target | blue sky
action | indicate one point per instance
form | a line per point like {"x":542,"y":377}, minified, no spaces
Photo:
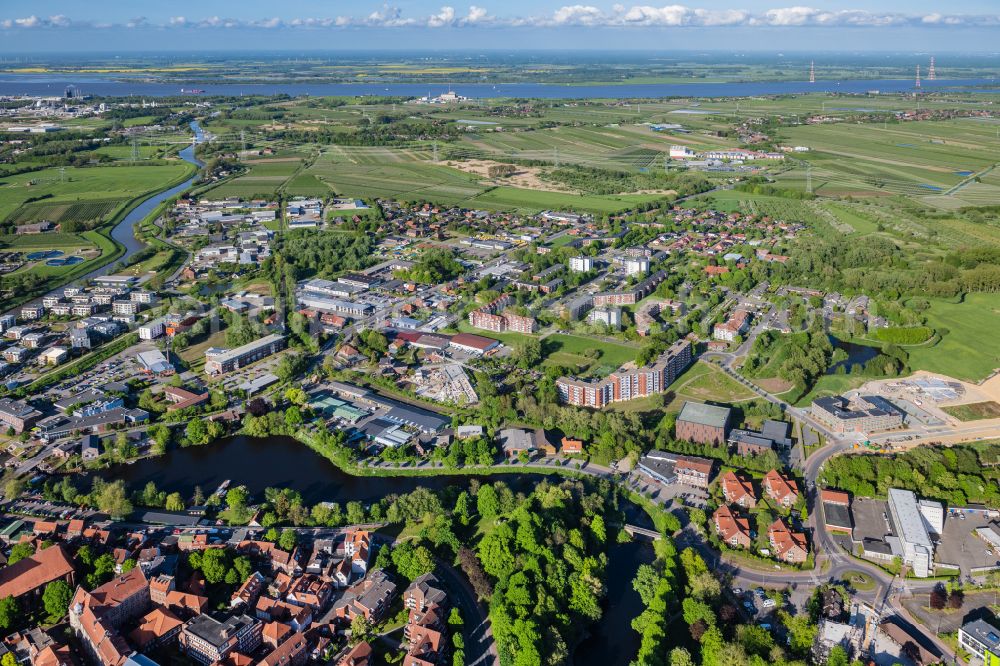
{"x":127,"y":25}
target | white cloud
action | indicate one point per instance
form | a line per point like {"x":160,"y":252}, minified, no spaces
{"x":579,"y":15}
{"x":789,"y":16}
{"x":477,"y":15}
{"x":445,"y":17}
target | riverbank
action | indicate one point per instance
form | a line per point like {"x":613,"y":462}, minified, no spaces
{"x":120,"y":231}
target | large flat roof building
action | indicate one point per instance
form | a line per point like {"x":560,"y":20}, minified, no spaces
{"x":912,"y":531}
{"x":704,"y":423}
{"x":18,"y":414}
{"x":221,"y":361}
{"x":864,"y":414}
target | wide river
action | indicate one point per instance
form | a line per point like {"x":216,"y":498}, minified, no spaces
{"x":283,"y":462}
{"x":53,"y":85}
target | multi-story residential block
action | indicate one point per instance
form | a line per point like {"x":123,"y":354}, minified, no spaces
{"x":693,"y":471}
{"x":628,"y":382}
{"x":498,"y":317}
{"x":736,"y":325}
{"x":981,"y":639}
{"x":125,"y":307}
{"x":636,"y":266}
{"x":152,"y":329}
{"x":208,"y":641}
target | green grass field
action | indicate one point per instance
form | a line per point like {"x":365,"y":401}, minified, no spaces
{"x":704,"y":382}
{"x":970,"y":349}
{"x":570,"y":351}
{"x":975,"y":411}
{"x":95,"y":186}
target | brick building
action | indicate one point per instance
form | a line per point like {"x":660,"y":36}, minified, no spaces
{"x":703,"y":423}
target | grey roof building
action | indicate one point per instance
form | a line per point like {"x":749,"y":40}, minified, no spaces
{"x":704,"y":414}
{"x":981,"y":639}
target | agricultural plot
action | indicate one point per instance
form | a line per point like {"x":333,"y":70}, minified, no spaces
{"x":78,"y":211}
{"x":915,"y":159}
{"x":407,"y":181}
{"x":533,"y":201}
{"x":602,"y":147}
{"x":307,"y":185}
{"x":92,"y":185}
{"x":264,"y":178}
{"x":48,"y":241}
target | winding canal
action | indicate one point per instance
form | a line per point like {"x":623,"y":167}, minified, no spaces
{"x":124,"y":231}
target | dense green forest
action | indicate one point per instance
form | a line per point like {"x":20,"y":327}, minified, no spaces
{"x":955,"y":475}
{"x":605,"y":181}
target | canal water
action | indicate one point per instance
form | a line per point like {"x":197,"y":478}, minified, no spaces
{"x":124,"y":231}
{"x":284,"y":462}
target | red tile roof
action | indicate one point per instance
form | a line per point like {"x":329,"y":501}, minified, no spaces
{"x":153,"y":627}
{"x":34,"y":572}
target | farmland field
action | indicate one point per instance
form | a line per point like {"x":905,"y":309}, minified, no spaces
{"x":88,"y":211}
{"x":514,"y":198}
{"x":52,"y":240}
{"x":265,"y":177}
{"x":932,"y":159}
{"x":84,"y":185}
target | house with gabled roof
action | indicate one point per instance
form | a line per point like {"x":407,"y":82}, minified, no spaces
{"x":732,"y":529}
{"x":738,"y":490}
{"x":782,"y":489}
{"x":788,"y":546}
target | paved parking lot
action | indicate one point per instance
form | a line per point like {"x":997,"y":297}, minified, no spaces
{"x":960,"y":545}
{"x":869,"y":518}
{"x":664,"y":493}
